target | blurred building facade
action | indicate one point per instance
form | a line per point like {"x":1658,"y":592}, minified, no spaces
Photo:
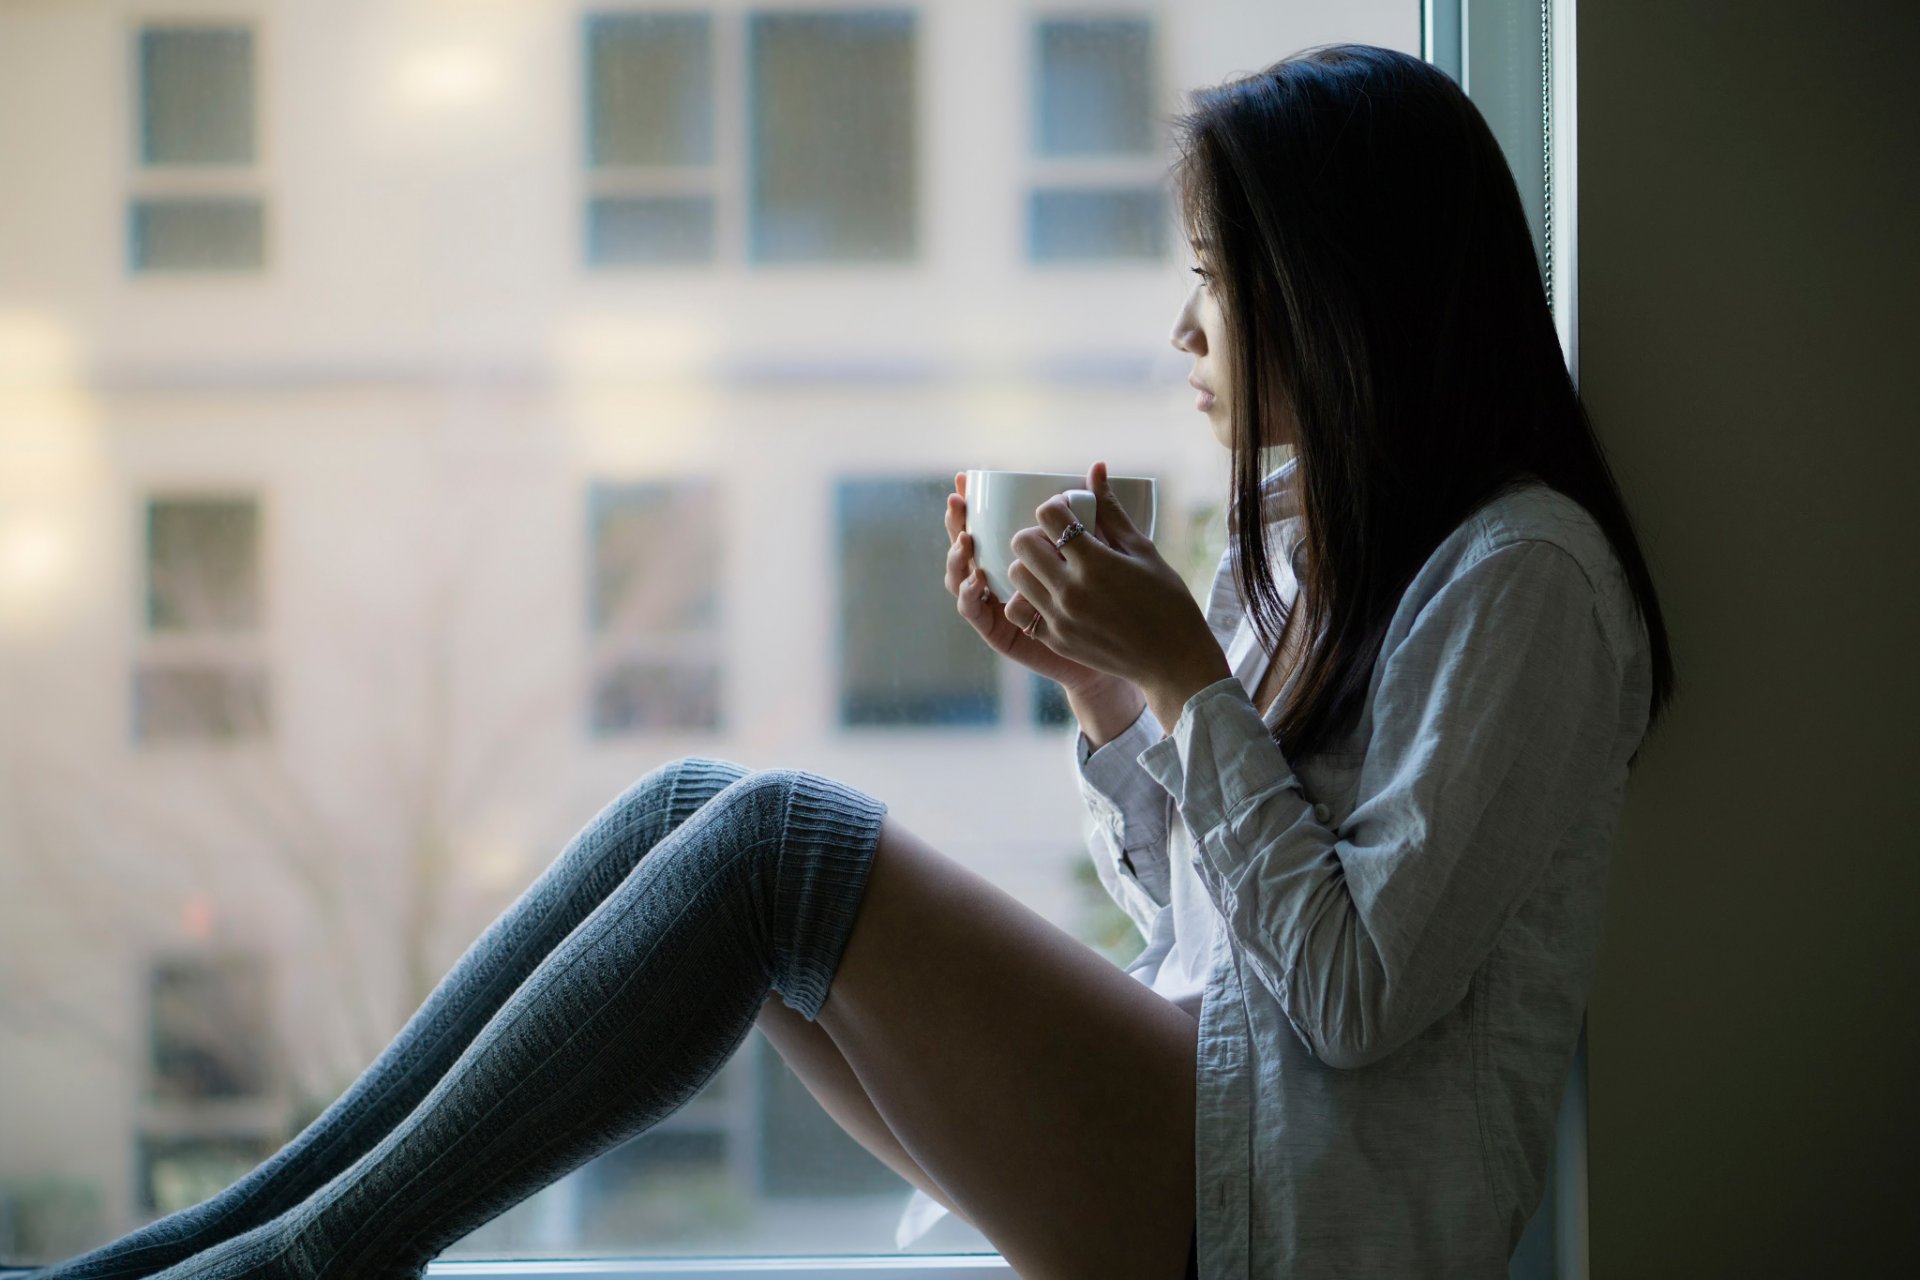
{"x":420,"y":418}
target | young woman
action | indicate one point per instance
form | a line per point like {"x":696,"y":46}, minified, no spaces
{"x":1359,"y":804}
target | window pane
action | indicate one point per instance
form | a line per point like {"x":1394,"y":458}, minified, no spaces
{"x":626,"y":231}
{"x":656,"y":557}
{"x":655,"y":582}
{"x":210,"y":1028}
{"x":203,"y":564}
{"x":1096,"y":88}
{"x":415,"y":578}
{"x":205,"y":702}
{"x":223,"y":234}
{"x":906,"y":657}
{"x":196,"y":95}
{"x":834,"y":138}
{"x":1076,"y":225}
{"x":649,"y":89}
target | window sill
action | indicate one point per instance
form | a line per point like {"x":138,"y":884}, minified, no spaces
{"x":931,"y":1266}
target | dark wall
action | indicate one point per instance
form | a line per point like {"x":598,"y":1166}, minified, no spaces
{"x":1749,"y":200}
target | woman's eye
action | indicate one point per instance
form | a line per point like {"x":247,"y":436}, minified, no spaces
{"x":1201,"y":272}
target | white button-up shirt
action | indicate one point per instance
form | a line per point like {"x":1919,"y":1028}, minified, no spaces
{"x":1397,"y":934}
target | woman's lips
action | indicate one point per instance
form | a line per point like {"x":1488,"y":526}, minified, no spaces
{"x":1204,"y":400}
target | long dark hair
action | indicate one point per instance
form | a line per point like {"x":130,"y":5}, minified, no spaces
{"x":1373,"y":264}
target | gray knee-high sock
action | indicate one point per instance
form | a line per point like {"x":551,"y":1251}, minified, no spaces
{"x":592,"y":865}
{"x":620,"y":1025}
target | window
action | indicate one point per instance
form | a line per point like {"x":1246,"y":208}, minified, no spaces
{"x":832,"y":121}
{"x":906,"y":656}
{"x":211,"y":1109}
{"x":200,"y":675}
{"x":654,"y":601}
{"x":510,"y":491}
{"x":650,"y":149}
{"x":784,"y":137}
{"x":196,"y":205}
{"x":1096,"y":194}
{"x":209,"y":1028}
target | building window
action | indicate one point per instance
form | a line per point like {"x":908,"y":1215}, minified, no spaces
{"x":209,"y":1028}
{"x":783,"y":137}
{"x":906,"y":656}
{"x":650,"y":145}
{"x":1096,"y":192}
{"x":196,"y":204}
{"x":200,"y":675}
{"x":211,"y":1110}
{"x":833,"y":136}
{"x":654,"y":606}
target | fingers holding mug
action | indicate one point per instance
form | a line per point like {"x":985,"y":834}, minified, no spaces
{"x":1024,"y":608}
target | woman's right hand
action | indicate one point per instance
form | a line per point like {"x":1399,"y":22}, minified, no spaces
{"x":967,"y":583}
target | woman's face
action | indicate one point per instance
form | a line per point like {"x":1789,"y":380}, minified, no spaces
{"x":1200,"y":331}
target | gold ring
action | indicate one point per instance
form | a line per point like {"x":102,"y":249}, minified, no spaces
{"x":1033,"y":626}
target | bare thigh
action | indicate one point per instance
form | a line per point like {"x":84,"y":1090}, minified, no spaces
{"x":1047,"y":1094}
{"x":816,"y":1059}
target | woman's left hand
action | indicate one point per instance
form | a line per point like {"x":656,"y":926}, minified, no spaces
{"x":1109,"y":600}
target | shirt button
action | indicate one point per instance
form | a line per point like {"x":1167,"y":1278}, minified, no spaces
{"x":1322,"y":813}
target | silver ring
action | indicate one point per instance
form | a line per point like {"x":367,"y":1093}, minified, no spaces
{"x":1033,"y":626}
{"x":1074,"y":530}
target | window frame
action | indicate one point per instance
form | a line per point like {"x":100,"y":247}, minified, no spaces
{"x":930,"y":1266}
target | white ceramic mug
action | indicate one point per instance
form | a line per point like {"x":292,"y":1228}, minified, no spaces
{"x":1002,"y":503}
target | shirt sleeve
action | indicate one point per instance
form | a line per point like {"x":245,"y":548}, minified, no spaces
{"x":1492,"y":722}
{"x":1131,"y":813}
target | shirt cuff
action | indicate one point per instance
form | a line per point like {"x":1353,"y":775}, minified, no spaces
{"x":1219,"y":757}
{"x":1128,"y":802}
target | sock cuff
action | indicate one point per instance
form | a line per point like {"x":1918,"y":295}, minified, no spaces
{"x":827,"y":850}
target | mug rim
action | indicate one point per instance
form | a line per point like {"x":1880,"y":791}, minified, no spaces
{"x":1051,"y":475}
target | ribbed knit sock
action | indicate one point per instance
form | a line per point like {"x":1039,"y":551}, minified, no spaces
{"x":474,"y":1106}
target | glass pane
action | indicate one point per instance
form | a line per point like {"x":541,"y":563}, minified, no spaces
{"x":492,"y":595}
{"x":833,"y":136}
{"x":906,"y":656}
{"x":1096,"y":91}
{"x":196,"y":95}
{"x":1089,"y":225}
{"x":203,"y":564}
{"x":649,"y":89}
{"x":631,"y":231}
{"x":223,"y":234}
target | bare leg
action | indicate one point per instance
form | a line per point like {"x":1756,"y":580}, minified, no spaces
{"x":1047,"y":1093}
{"x":814,"y":1057}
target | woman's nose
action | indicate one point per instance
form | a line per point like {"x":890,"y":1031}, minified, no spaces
{"x":1187,"y":335}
